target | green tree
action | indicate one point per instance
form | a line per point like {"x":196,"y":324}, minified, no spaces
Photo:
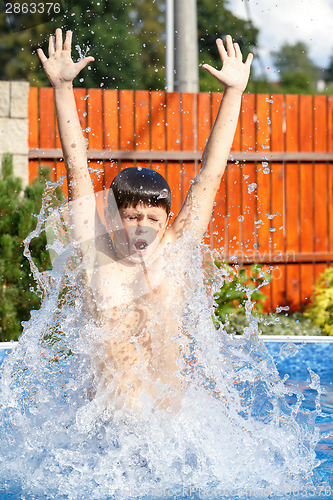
{"x":149,"y":28}
{"x":17,"y":58}
{"x":18,"y":294}
{"x":106,"y":29}
{"x":216,"y":20}
{"x":127,"y":39}
{"x":298,"y":72}
{"x":330,"y":69}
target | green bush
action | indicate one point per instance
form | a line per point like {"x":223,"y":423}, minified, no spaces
{"x":231,"y":300}
{"x":232,"y":296}
{"x":321,"y":309}
{"x":18,"y":211}
{"x":274,"y":324}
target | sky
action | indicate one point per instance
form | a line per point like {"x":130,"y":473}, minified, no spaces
{"x":280,"y":21}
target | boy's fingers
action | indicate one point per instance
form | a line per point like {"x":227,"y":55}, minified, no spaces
{"x":249,"y":60}
{"x":58,"y":41}
{"x":211,"y":70}
{"x":238,"y":51}
{"x":83,"y":63}
{"x":51,"y":45}
{"x":230,"y":46}
{"x":68,"y":41}
{"x":221,"y":49}
{"x":41,"y":56}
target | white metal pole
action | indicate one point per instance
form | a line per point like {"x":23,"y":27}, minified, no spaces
{"x":170,"y":46}
{"x":186,"y":42}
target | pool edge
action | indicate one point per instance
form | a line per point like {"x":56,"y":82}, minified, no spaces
{"x":265,"y":338}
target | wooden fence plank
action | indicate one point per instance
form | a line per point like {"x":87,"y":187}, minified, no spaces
{"x":306,"y":197}
{"x":158,"y":138}
{"x":203,"y":131}
{"x":234,"y":183}
{"x":142,"y":124}
{"x":321,"y":208}
{"x":220,"y":229}
{"x":249,"y":179}
{"x":188,"y":137}
{"x":263,"y":174}
{"x":95,"y":138}
{"x":292,"y":227}
{"x":173,"y":174}
{"x":330,"y":173}
{"x":126,"y":124}
{"x":111,"y":133}
{"x":277,"y":201}
{"x":264,"y":182}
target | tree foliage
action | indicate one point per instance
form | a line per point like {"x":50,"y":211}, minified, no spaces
{"x":18,"y":294}
{"x":330,"y":69}
{"x":298,"y":72}
{"x":232,"y":296}
{"x":127,"y":39}
{"x":105,"y":30}
{"x":215,"y":20}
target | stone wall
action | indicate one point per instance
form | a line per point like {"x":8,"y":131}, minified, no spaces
{"x":14,"y":125}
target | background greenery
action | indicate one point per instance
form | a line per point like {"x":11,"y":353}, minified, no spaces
{"x":230,"y":305}
{"x":127,"y":38}
{"x":321,"y":310}
{"x":18,"y":210}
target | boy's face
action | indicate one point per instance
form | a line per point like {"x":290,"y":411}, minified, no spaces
{"x":143,"y":227}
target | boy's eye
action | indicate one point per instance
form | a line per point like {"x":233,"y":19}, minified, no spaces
{"x":153,"y":220}
{"x":131,"y":217}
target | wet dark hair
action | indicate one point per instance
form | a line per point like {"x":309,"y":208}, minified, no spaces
{"x":138,"y":184}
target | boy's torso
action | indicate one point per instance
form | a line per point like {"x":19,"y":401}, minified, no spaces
{"x":137,"y":308}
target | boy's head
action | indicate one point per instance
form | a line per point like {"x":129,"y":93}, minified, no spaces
{"x":140,"y":185}
{"x":139,"y":202}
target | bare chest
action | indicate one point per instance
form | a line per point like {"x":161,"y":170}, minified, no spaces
{"x":119,"y":291}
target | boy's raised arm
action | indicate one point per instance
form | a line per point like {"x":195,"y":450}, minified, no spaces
{"x":61,"y":71}
{"x":198,"y":205}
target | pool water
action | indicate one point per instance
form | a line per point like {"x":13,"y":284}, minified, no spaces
{"x":319,"y":358}
{"x":293,"y":359}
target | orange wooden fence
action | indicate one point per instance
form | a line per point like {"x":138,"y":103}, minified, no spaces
{"x":275,"y":203}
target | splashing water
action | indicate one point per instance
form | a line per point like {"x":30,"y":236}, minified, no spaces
{"x":64,"y":435}
{"x":163,"y":194}
{"x":82,"y":51}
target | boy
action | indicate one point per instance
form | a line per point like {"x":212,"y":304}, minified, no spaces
{"x":129,"y":291}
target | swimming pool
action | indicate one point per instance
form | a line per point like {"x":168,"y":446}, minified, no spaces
{"x":293,"y":357}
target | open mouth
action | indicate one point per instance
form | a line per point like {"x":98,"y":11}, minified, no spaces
{"x":140,"y":245}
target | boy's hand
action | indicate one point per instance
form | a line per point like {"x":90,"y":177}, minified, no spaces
{"x":59,"y":67}
{"x":234,"y":73}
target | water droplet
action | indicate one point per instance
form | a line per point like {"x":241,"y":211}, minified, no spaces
{"x":251,"y":187}
{"x":241,"y":218}
{"x":163,"y":194}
